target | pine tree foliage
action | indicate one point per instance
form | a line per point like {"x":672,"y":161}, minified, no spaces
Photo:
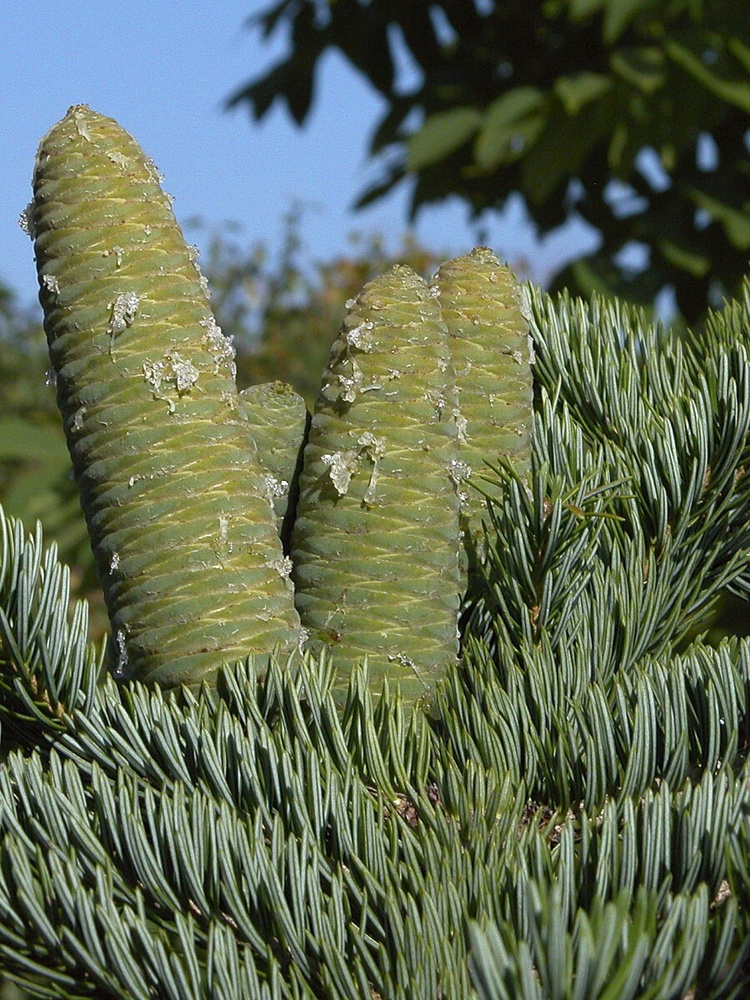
{"x":571,"y":820}
{"x":46,"y":665}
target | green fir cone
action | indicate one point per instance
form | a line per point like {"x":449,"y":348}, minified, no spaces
{"x":376,"y":539}
{"x":278,"y":421}
{"x":177,"y":507}
{"x":491,"y":349}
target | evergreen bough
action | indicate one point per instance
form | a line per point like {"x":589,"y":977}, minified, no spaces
{"x":572,"y":818}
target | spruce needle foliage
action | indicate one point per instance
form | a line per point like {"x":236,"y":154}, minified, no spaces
{"x":573,"y":821}
{"x":253,"y":841}
{"x":570,"y":821}
{"x":47,"y":667}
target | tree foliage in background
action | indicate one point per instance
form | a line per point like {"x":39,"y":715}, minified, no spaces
{"x":35,"y":471}
{"x":631,"y":114}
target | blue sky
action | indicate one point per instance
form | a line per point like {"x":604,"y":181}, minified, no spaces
{"x":163,"y":70}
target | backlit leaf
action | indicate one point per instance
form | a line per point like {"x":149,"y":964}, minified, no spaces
{"x":511,"y":125}
{"x":575,"y":91}
{"x":442,"y":134}
{"x":735,"y":92}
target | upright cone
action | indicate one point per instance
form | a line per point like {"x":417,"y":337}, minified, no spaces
{"x":375,"y":543}
{"x":180,"y":518}
{"x":278,"y":420}
{"x":481,"y":307}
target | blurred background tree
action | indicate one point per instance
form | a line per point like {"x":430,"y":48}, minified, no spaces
{"x":36,"y":481}
{"x":631,"y":114}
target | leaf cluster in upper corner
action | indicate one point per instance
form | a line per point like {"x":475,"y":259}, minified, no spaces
{"x":630,"y":114}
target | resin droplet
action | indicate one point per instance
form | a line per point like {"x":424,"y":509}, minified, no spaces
{"x":124,"y":308}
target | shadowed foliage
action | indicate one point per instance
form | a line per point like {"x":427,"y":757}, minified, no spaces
{"x":629,"y":114}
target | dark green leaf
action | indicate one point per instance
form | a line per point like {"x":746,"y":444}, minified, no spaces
{"x":736,"y":222}
{"x":441,"y":134}
{"x":736,"y":92}
{"x":262,"y":94}
{"x":270,"y":18}
{"x":361,"y":33}
{"x":642,"y":67}
{"x":575,"y":91}
{"x":694,"y":263}
{"x":510,"y":127}
{"x":617,"y":16}
{"x":580,"y":9}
